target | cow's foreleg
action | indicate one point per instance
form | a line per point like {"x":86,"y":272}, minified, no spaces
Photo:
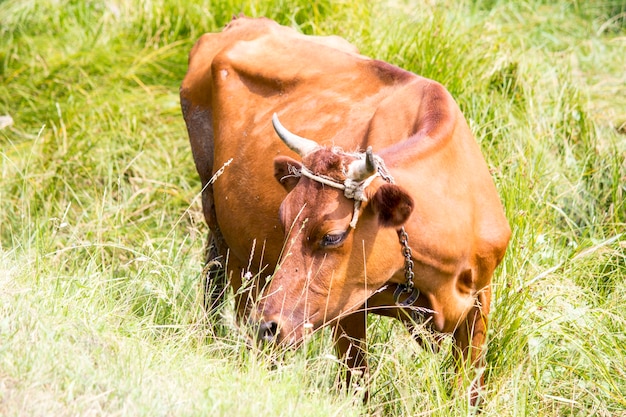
{"x":470,"y":340}
{"x":214,"y":278}
{"x":350,"y":341}
{"x":214,"y":275}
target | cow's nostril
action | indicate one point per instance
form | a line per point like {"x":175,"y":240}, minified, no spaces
{"x":268,"y":330}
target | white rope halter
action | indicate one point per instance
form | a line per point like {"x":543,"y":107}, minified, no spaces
{"x":352,"y":189}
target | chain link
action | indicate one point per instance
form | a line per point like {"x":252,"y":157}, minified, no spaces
{"x":408,"y":261}
{"x":408,"y":287}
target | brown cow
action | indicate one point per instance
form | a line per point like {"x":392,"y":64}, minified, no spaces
{"x":325,"y":220}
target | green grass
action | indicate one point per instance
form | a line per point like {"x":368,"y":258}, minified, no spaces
{"x":101,"y":232}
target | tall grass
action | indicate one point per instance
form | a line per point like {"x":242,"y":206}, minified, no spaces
{"x":101,"y":232}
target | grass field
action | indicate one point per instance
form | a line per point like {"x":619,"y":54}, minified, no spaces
{"x":101,"y":232}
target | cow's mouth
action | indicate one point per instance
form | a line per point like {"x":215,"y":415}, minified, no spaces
{"x":285,"y":332}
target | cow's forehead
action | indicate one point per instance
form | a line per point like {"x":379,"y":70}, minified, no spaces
{"x":330,"y":162}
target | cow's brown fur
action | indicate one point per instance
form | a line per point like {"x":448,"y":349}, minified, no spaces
{"x":257,"y":209}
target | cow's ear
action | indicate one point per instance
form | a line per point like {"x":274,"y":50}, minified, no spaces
{"x":392,"y":205}
{"x":284,"y":171}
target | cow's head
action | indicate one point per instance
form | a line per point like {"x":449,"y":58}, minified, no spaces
{"x":330,"y":263}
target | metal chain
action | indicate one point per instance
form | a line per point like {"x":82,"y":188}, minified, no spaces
{"x":408,"y":261}
{"x":409,"y":286}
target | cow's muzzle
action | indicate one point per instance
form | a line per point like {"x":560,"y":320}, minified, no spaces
{"x":268,"y":332}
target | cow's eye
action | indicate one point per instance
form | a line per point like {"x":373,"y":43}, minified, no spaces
{"x":333,"y":239}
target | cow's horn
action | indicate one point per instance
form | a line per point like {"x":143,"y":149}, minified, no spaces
{"x":300,"y":145}
{"x":361,"y":169}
